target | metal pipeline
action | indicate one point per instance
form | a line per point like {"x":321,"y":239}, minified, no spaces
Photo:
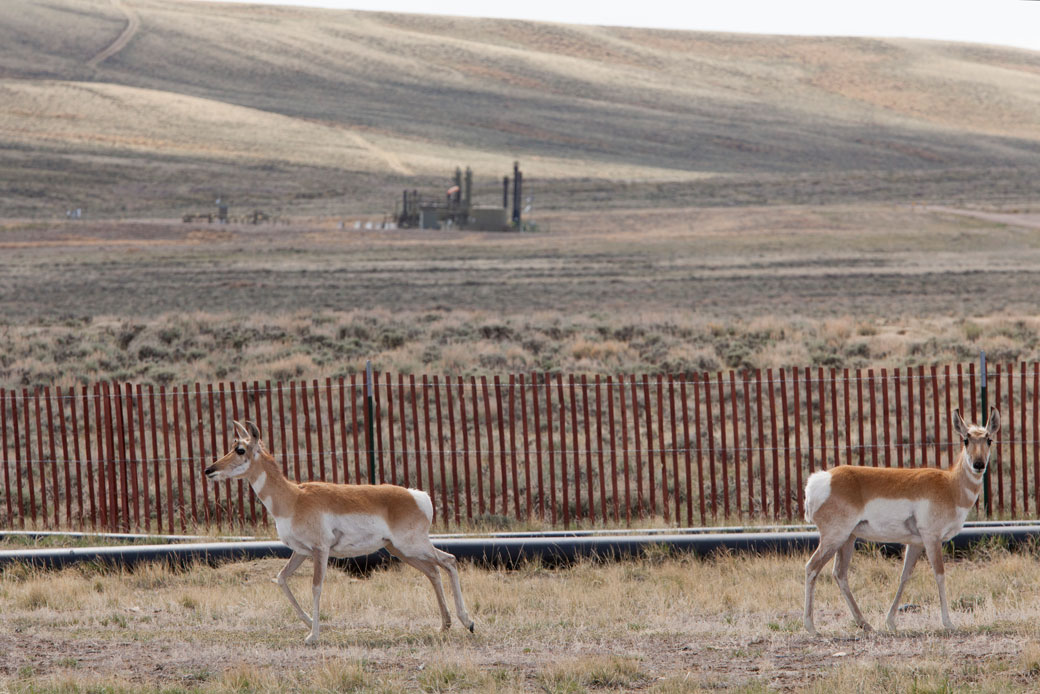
{"x":504,"y":550}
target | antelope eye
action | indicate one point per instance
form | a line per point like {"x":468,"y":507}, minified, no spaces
{"x":989,"y":441}
{"x":240,"y":450}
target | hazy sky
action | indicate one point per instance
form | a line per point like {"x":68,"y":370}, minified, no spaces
{"x":1007,"y":22}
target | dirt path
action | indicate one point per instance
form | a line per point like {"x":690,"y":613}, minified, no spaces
{"x":133,"y":23}
{"x":1029,"y":221}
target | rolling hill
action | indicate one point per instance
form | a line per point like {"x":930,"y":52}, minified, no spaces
{"x":149,"y":107}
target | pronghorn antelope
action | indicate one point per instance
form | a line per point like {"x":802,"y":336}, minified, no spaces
{"x":921,"y":508}
{"x":319,"y":520}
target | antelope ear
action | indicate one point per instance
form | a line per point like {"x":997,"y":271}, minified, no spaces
{"x":240,"y":430}
{"x":993,"y":426}
{"x":254,"y":433}
{"x":959,"y":426}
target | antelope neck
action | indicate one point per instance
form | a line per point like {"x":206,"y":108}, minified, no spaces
{"x":275,"y":492}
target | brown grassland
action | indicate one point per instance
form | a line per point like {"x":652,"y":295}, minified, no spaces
{"x":660,"y":624}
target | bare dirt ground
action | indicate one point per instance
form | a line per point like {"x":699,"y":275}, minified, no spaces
{"x":661,"y":625}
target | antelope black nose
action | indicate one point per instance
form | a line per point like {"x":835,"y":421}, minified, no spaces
{"x":980,"y":465}
{"x":211,"y":470}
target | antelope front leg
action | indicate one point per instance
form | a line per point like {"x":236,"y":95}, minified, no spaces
{"x":283,"y":581}
{"x":933,"y":549}
{"x":913,"y":553}
{"x":321,"y":562}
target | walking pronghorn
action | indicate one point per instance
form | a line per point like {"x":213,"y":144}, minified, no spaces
{"x":921,"y":508}
{"x":319,"y":520}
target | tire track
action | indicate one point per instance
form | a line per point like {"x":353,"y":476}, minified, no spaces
{"x":133,"y":23}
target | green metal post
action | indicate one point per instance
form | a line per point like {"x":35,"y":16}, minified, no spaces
{"x":987,"y":501}
{"x":371,"y":433}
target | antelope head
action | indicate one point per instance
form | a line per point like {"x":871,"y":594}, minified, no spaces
{"x":978,"y":441}
{"x":236,"y":462}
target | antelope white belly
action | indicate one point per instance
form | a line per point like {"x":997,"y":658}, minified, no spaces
{"x":355,"y":534}
{"x":892,"y":520}
{"x":283,"y":525}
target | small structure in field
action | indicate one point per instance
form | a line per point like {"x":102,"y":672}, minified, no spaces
{"x":455,"y":209}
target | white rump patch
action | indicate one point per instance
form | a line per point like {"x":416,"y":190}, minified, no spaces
{"x":817,"y":491}
{"x":422,"y":500}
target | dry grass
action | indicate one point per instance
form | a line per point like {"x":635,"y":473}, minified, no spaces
{"x":621,"y":291}
{"x":661,"y":625}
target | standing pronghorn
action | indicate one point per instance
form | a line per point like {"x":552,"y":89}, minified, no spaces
{"x":319,"y":520}
{"x":921,"y":508}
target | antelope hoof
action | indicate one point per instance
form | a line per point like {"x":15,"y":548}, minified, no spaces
{"x":866,"y":628}
{"x":891,"y":624}
{"x":311,"y":638}
{"x":470,"y":627}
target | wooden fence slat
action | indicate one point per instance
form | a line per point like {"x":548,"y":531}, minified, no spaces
{"x":786,"y":445}
{"x":110,"y":450}
{"x":675,"y":448}
{"x":899,"y":416}
{"x":489,"y":427}
{"x":404,"y":430}
{"x":835,"y":430}
{"x":512,"y":448}
{"x":102,"y":458}
{"x":218,"y":506}
{"x":1036,"y":436}
{"x":18,"y":457}
{"x":648,"y":415}
{"x":225,"y":445}
{"x":848,"y":418}
{"x":415,"y":431}
{"x":214,"y":454}
{"x":936,"y":416}
{"x":539,"y":476}
{"x":65,"y":455}
{"x":823,"y":417}
{"x":166,"y":454}
{"x":181,"y":506}
{"x":454,"y":454}
{"x":479,"y":462}
{"x":624,"y":450}
{"x":156,"y":473}
{"x":808,"y":423}
{"x":430,"y":484}
{"x":526,"y":440}
{"x":440,"y":451}
{"x":950,"y":448}
{"x":191,"y":456}
{"x":377,"y":442}
{"x":39,"y":455}
{"x":316,"y":394}
{"x":723,"y":453}
{"x":7,"y":469}
{"x":1000,"y":444}
{"x":549,"y":438}
{"x":971,"y":389}
{"x":686,"y":447}
{"x":861,"y":438}
{"x":923,"y":409}
{"x":774,"y":444}
{"x":761,"y":445}
{"x":638,"y":446}
{"x":661,"y":448}
{"x":1011,"y":439}
{"x":885,"y":413}
{"x":304,"y":402}
{"x":588,"y":446}
{"x":1023,"y":396}
{"x":736,"y":442}
{"x":696,"y":385}
{"x":76,"y":452}
{"x":798,"y":443}
{"x":132,"y":462}
{"x":873,"y":419}
{"x":142,"y":462}
{"x":500,"y":415}
{"x":89,"y":459}
{"x":343,"y":444}
{"x":575,"y":452}
{"x":911,"y":447}
{"x":355,"y":434}
{"x":563,"y":451}
{"x":750,"y":445}
{"x":389,"y":427}
{"x":710,"y":419}
{"x":465,"y":448}
{"x":296,"y":436}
